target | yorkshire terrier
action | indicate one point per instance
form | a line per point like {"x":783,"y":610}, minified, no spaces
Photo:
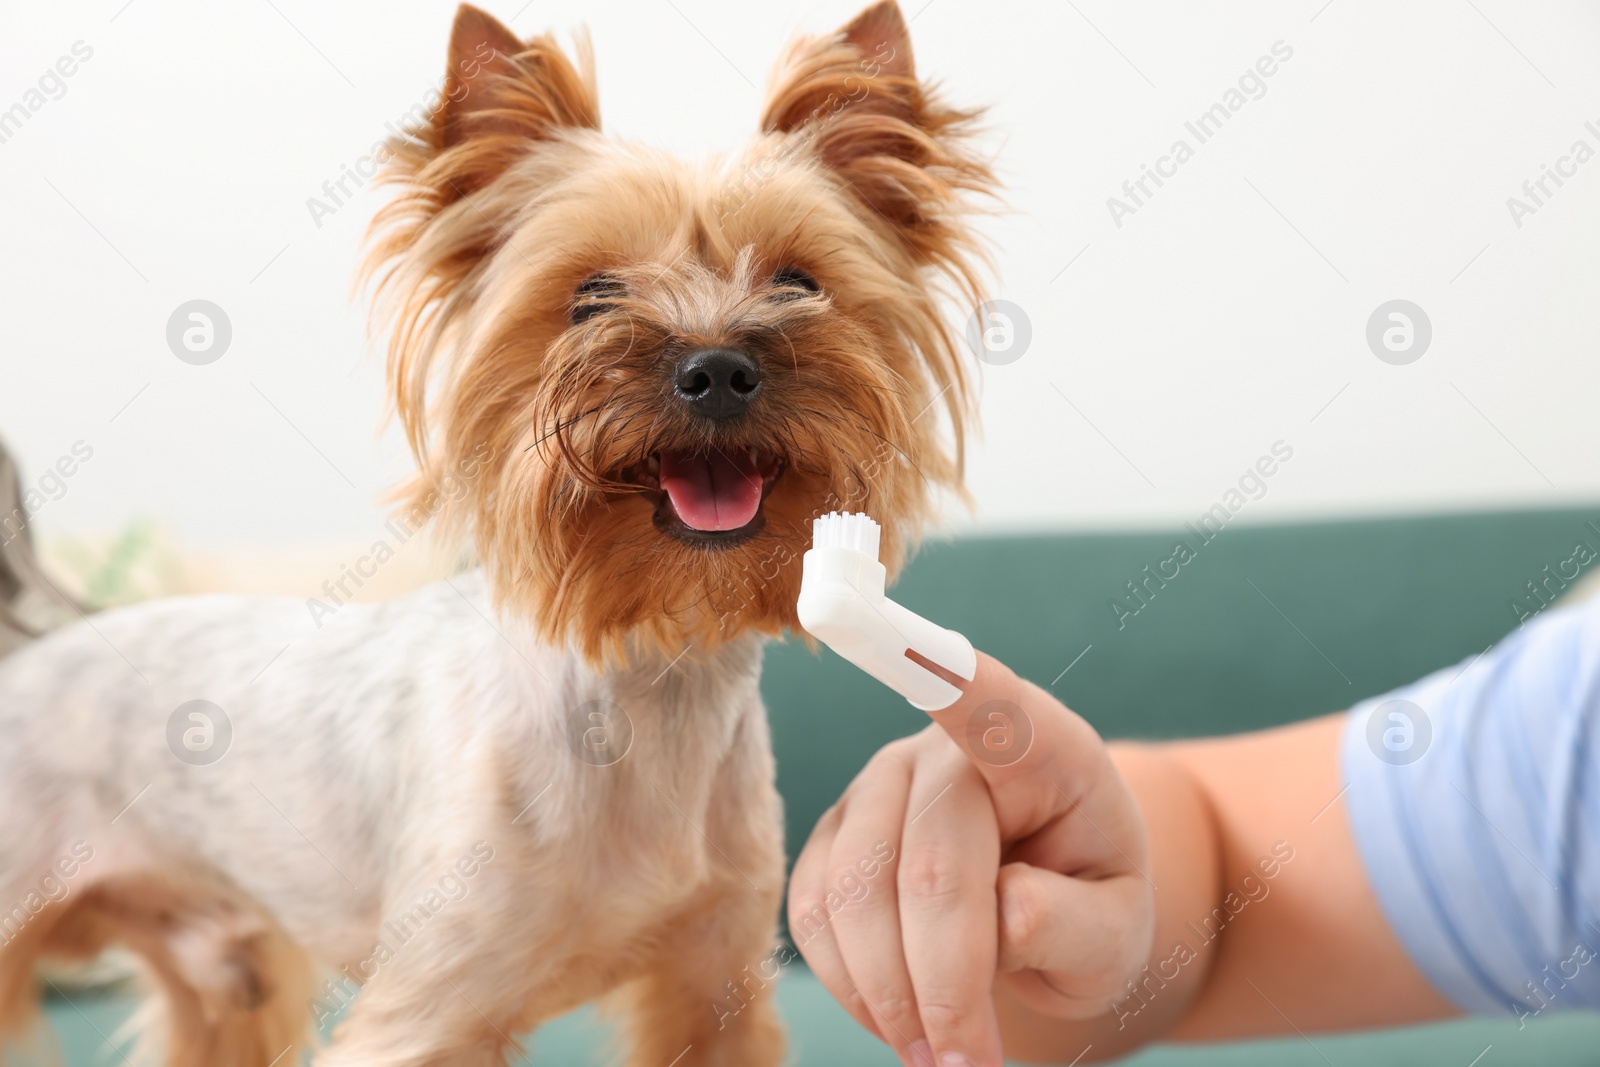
{"x":632,"y":383}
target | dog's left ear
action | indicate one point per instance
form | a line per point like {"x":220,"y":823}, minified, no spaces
{"x":907,"y":156}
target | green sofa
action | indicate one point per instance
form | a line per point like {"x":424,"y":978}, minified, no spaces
{"x":1264,"y":625}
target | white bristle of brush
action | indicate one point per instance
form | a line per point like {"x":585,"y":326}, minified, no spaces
{"x":843,"y":529}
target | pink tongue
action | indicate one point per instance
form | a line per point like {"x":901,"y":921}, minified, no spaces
{"x":715,"y":492}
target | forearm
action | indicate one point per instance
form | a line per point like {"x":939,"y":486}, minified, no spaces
{"x":1265,"y":921}
{"x":1316,"y":953}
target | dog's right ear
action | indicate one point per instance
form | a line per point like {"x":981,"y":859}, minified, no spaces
{"x":502,"y":94}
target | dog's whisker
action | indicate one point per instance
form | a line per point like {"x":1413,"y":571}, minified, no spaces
{"x":560,"y":425}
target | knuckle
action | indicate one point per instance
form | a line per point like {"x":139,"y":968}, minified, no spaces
{"x":942,"y":1016}
{"x":896,"y":1009}
{"x":834,"y":816}
{"x":846,"y":879}
{"x":1111,"y":982}
{"x":808,"y":916}
{"x":1139,"y":941}
{"x":853,"y":1002}
{"x":1085,"y":1008}
{"x":894,"y":755}
{"x":1024,"y":917}
{"x":932,"y":874}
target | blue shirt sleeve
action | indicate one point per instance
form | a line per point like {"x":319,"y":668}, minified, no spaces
{"x":1474,"y":798}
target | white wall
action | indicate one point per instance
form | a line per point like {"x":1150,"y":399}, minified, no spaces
{"x":1221,"y":317}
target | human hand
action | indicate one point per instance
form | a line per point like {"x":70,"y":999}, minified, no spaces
{"x":1008,"y":857}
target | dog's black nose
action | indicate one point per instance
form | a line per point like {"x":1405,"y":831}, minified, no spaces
{"x":718,"y":383}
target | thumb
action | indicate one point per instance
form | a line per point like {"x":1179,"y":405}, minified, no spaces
{"x":1081,"y":939}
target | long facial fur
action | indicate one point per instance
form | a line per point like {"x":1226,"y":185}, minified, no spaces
{"x":511,"y":197}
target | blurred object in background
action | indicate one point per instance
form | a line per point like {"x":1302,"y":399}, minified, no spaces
{"x":145,"y":561}
{"x":30,"y":603}
{"x":134,"y":565}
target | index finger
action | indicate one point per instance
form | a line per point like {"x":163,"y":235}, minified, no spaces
{"x":1006,"y":725}
{"x":1022,"y":739}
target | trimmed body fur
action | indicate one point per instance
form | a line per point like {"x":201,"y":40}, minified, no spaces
{"x":365,"y":764}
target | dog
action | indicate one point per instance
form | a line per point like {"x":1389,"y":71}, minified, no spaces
{"x":630,"y":383}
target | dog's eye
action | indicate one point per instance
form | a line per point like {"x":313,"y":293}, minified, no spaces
{"x":593,"y":296}
{"x":792,"y":278}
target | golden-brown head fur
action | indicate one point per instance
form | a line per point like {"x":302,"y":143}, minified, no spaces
{"x":553,"y":405}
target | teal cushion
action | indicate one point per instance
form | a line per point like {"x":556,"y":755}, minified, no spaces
{"x":822,"y":1035}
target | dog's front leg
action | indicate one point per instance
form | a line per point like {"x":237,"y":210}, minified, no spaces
{"x":420,"y":1020}
{"x":709,"y":997}
{"x":710,"y":1000}
{"x":440,"y":989}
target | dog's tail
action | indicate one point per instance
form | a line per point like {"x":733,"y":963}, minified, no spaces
{"x":30,"y":603}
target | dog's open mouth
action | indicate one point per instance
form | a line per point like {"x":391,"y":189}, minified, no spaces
{"x":712,"y":499}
